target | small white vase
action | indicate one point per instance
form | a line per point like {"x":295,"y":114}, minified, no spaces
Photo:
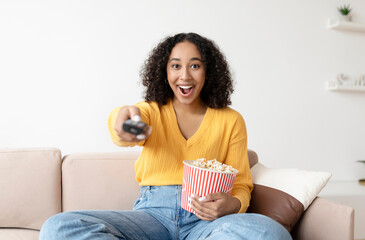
{"x":346,"y":18}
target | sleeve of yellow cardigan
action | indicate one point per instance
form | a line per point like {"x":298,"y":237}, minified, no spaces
{"x":111,"y":123}
{"x":238,"y":158}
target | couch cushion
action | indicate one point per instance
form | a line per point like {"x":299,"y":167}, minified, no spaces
{"x":284,"y":194}
{"x":99,"y":181}
{"x":18,"y":234}
{"x":252,"y":157}
{"x":30,"y":186}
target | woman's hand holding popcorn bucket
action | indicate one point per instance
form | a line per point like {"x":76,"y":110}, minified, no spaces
{"x":206,"y":189}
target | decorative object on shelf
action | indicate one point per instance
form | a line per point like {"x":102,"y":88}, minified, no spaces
{"x":362,"y":180}
{"x":345,"y":83}
{"x":345,"y":11}
{"x":343,"y":79}
{"x":336,"y":24}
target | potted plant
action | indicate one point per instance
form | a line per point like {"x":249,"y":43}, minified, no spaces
{"x":345,"y":11}
{"x":362,"y":181}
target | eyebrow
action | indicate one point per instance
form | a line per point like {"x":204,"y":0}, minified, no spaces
{"x":191,"y":59}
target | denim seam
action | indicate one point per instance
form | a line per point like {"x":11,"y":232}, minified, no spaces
{"x":177,"y":209}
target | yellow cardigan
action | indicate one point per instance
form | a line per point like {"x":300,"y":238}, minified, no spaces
{"x":221,"y":135}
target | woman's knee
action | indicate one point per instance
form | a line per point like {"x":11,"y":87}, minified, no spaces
{"x":267,"y":226}
{"x":246,"y":225}
{"x":56,"y":225}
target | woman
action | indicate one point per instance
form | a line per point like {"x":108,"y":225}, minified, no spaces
{"x":188,"y":88}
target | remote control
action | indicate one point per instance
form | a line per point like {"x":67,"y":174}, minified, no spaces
{"x":134,"y":127}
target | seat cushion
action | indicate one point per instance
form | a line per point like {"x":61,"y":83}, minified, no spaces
{"x":103,"y":181}
{"x":30,"y":186}
{"x":18,"y":234}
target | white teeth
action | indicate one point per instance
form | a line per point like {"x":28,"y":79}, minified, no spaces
{"x":185,"y":87}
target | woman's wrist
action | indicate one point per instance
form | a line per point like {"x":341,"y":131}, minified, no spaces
{"x":236,"y":205}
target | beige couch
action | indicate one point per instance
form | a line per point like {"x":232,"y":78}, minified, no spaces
{"x":38,"y":183}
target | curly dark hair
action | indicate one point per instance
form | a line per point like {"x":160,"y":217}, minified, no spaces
{"x":218,"y":84}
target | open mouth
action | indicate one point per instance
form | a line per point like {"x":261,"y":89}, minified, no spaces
{"x":185,"y":90}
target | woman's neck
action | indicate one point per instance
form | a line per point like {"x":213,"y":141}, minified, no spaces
{"x":197,"y":107}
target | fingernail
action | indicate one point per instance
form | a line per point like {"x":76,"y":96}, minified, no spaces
{"x":136,"y":118}
{"x":149,"y":130}
{"x":141,"y":137}
{"x":189,"y":205}
{"x":202,"y":199}
{"x":192,"y":195}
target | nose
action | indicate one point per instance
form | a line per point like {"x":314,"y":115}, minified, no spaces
{"x":185,"y":73}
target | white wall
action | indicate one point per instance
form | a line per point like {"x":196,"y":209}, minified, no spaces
{"x":64,"y":65}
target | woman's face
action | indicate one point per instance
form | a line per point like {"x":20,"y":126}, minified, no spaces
{"x":186,"y":72}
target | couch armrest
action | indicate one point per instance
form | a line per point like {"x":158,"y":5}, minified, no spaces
{"x":325,"y":220}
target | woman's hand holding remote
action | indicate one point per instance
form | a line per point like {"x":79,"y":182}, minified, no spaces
{"x":130,"y":113}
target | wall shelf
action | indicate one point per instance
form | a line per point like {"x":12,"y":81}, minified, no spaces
{"x":334,"y":86}
{"x":346,"y":26}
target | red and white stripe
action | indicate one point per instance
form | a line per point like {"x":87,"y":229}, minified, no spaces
{"x":202,"y":182}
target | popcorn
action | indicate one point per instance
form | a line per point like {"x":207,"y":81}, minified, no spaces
{"x":212,"y":165}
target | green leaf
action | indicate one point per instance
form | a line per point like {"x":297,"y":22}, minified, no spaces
{"x":345,"y":9}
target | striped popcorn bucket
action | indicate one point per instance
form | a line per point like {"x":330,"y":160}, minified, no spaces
{"x":202,"y":181}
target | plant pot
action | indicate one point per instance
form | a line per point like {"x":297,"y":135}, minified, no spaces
{"x":362,"y":181}
{"x":346,"y":18}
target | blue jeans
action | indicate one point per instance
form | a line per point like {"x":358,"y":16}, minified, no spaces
{"x":157,"y":214}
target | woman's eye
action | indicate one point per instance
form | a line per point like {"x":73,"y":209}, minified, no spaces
{"x":175,"y":66}
{"x":195,"y":66}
